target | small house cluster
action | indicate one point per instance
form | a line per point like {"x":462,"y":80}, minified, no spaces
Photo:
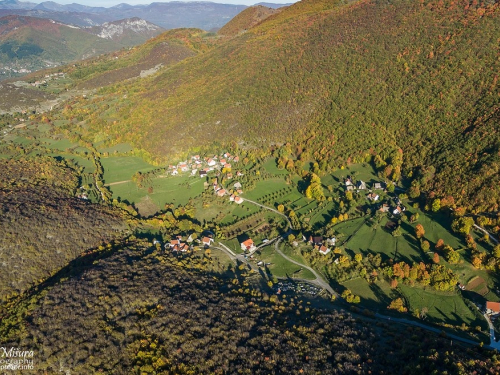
{"x":361,"y":185}
{"x":321,"y":245}
{"x":233,"y":197}
{"x":396,"y":207}
{"x":177,"y":245}
{"x":202,"y":166}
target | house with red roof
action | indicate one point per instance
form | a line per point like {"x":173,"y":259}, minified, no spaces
{"x":207,"y":241}
{"x":492,"y":308}
{"x":248,"y":245}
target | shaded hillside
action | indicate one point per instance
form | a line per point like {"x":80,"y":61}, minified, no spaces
{"x":139,"y":311}
{"x":246,"y":20}
{"x":343,"y":82}
{"x":43,"y":226}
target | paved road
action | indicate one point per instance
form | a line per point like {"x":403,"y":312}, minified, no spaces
{"x":493,"y":343}
{"x":486,"y":232}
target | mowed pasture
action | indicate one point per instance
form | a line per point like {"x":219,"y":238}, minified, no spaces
{"x":271,"y":167}
{"x":280,"y":267}
{"x":376,"y":296}
{"x":442,"y":307}
{"x":122,"y":168}
{"x":265,"y":189}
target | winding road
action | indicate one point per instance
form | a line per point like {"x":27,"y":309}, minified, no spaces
{"x":319,"y":281}
{"x":486,"y":232}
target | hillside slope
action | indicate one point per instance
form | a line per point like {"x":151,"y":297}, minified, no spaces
{"x":247,"y":19}
{"x":344,"y":82}
{"x":43,"y":225}
{"x":164,"y":51}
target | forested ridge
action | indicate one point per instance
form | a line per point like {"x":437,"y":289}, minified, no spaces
{"x":138,"y":310}
{"x":342,"y":83}
{"x":43,"y":225}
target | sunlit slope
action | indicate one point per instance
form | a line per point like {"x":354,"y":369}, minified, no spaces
{"x":343,"y":81}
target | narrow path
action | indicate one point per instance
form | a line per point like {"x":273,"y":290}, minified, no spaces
{"x":117,"y":183}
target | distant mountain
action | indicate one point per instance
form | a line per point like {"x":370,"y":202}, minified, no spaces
{"x":273,"y":5}
{"x":202,"y":15}
{"x":28,"y":44}
{"x":169,"y":15}
{"x":14,"y":4}
{"x":131,"y":31}
{"x":55,"y":7}
{"x":69,"y":18}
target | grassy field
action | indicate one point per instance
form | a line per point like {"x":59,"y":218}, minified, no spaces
{"x":271,"y":167}
{"x":379,"y":240}
{"x":238,"y":211}
{"x":295,"y":252}
{"x":121,"y":168}
{"x":120,"y":148}
{"x":233,"y":244}
{"x":323,"y":215}
{"x":62,"y":144}
{"x":375,"y":296}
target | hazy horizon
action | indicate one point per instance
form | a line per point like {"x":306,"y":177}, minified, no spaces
{"x":111,"y":3}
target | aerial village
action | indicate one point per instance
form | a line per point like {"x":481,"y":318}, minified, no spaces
{"x":222,"y":165}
